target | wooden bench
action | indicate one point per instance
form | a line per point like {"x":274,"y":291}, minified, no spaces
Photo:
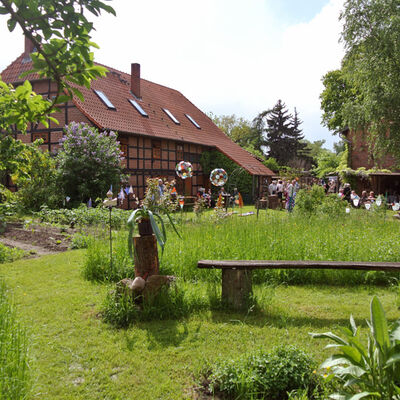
{"x":236,"y":274}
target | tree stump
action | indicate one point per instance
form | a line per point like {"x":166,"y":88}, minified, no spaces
{"x":146,"y":256}
{"x":236,"y":287}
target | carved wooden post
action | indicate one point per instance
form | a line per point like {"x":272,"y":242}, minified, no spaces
{"x":236,"y":287}
{"x":146,"y":256}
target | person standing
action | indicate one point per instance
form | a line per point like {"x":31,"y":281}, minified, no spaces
{"x":291,"y":191}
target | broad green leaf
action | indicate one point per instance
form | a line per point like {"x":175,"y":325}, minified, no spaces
{"x":393,"y":359}
{"x":352,"y":370}
{"x":328,"y":335}
{"x":379,"y":324}
{"x":353,"y":325}
{"x":352,"y":353}
{"x":361,"y":395}
{"x":334,"y":360}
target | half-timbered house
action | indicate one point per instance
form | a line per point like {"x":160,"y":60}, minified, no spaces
{"x":157,"y":126}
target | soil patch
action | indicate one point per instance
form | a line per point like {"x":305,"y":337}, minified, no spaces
{"x":36,"y":239}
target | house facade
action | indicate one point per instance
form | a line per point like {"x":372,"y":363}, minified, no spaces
{"x":157,"y":126}
{"x":360,"y":156}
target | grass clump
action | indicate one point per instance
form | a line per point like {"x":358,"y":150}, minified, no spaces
{"x":177,"y":301}
{"x":98,"y":266}
{"x":8,"y":254}
{"x":264,"y":375}
{"x":14,"y":369}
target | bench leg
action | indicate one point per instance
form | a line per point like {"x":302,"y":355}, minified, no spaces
{"x":236,"y":287}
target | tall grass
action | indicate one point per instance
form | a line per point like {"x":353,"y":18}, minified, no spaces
{"x":14,"y":370}
{"x":361,"y":236}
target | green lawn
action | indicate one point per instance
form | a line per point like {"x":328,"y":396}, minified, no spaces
{"x":76,"y":356}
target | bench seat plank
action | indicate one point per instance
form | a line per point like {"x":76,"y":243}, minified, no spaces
{"x":289,"y":264}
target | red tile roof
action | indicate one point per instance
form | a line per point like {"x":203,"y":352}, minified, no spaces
{"x":155,"y":97}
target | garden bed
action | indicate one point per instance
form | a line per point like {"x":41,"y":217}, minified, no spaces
{"x":37,"y":239}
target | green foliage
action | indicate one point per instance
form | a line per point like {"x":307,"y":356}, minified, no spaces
{"x":83,"y":216}
{"x":14,"y":361}
{"x":282,"y":131}
{"x":337,"y":93}
{"x":241,"y":132}
{"x":98,"y":267}
{"x":308,"y":200}
{"x":272,"y":164}
{"x":89,"y":162}
{"x":237,"y":177}
{"x":155,"y":204}
{"x":327,"y":163}
{"x":314,"y":201}
{"x":61,"y":37}
{"x":264,"y":375}
{"x":8,"y":254}
{"x":366,"y":371}
{"x":37,"y":181}
{"x":370,"y":36}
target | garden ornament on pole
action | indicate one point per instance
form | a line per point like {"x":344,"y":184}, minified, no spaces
{"x":110,"y":203}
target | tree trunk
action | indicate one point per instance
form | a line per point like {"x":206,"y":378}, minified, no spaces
{"x":146,"y":256}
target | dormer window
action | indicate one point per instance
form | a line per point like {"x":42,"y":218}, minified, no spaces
{"x":175,"y":121}
{"x":105,"y":99}
{"x":138,"y":108}
{"x":193,"y":121}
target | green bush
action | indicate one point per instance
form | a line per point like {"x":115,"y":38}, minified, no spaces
{"x":264,"y":375}
{"x":8,"y":254}
{"x":314,"y":201}
{"x":308,"y":200}
{"x":14,"y":368}
{"x":88,"y":162}
{"x":83,"y":216}
{"x":38,"y":184}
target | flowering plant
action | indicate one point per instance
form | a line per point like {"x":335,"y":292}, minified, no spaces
{"x":89,"y":162}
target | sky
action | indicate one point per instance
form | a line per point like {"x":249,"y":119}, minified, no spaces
{"x":226,"y":56}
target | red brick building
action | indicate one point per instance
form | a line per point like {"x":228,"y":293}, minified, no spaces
{"x":157,"y":126}
{"x":360,"y":156}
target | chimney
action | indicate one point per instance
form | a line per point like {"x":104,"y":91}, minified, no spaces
{"x":135,"y":79}
{"x":29,"y":47}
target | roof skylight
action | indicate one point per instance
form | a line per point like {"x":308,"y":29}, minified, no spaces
{"x":193,"y":121}
{"x":105,"y":99}
{"x":171,"y":116}
{"x":138,"y":108}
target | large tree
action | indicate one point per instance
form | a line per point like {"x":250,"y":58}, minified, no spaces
{"x":371,"y":68}
{"x":282,"y":133}
{"x":241,"y":132}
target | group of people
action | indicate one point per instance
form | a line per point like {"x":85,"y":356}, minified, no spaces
{"x":286,"y":191}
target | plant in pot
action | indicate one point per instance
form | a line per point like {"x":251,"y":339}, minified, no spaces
{"x":158,"y":201}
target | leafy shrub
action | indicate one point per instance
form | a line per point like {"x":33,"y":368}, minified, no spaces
{"x":14,"y":369}
{"x":314,"y":201}
{"x":97,"y":265}
{"x":37,"y":185}
{"x":79,"y":241}
{"x":8,"y":254}
{"x":83,"y":216}
{"x":308,"y":200}
{"x":88,"y":162}
{"x":366,"y":371}
{"x":332,"y":206}
{"x":264,"y":375}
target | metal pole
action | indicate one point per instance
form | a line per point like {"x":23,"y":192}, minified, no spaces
{"x":111,"y":264}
